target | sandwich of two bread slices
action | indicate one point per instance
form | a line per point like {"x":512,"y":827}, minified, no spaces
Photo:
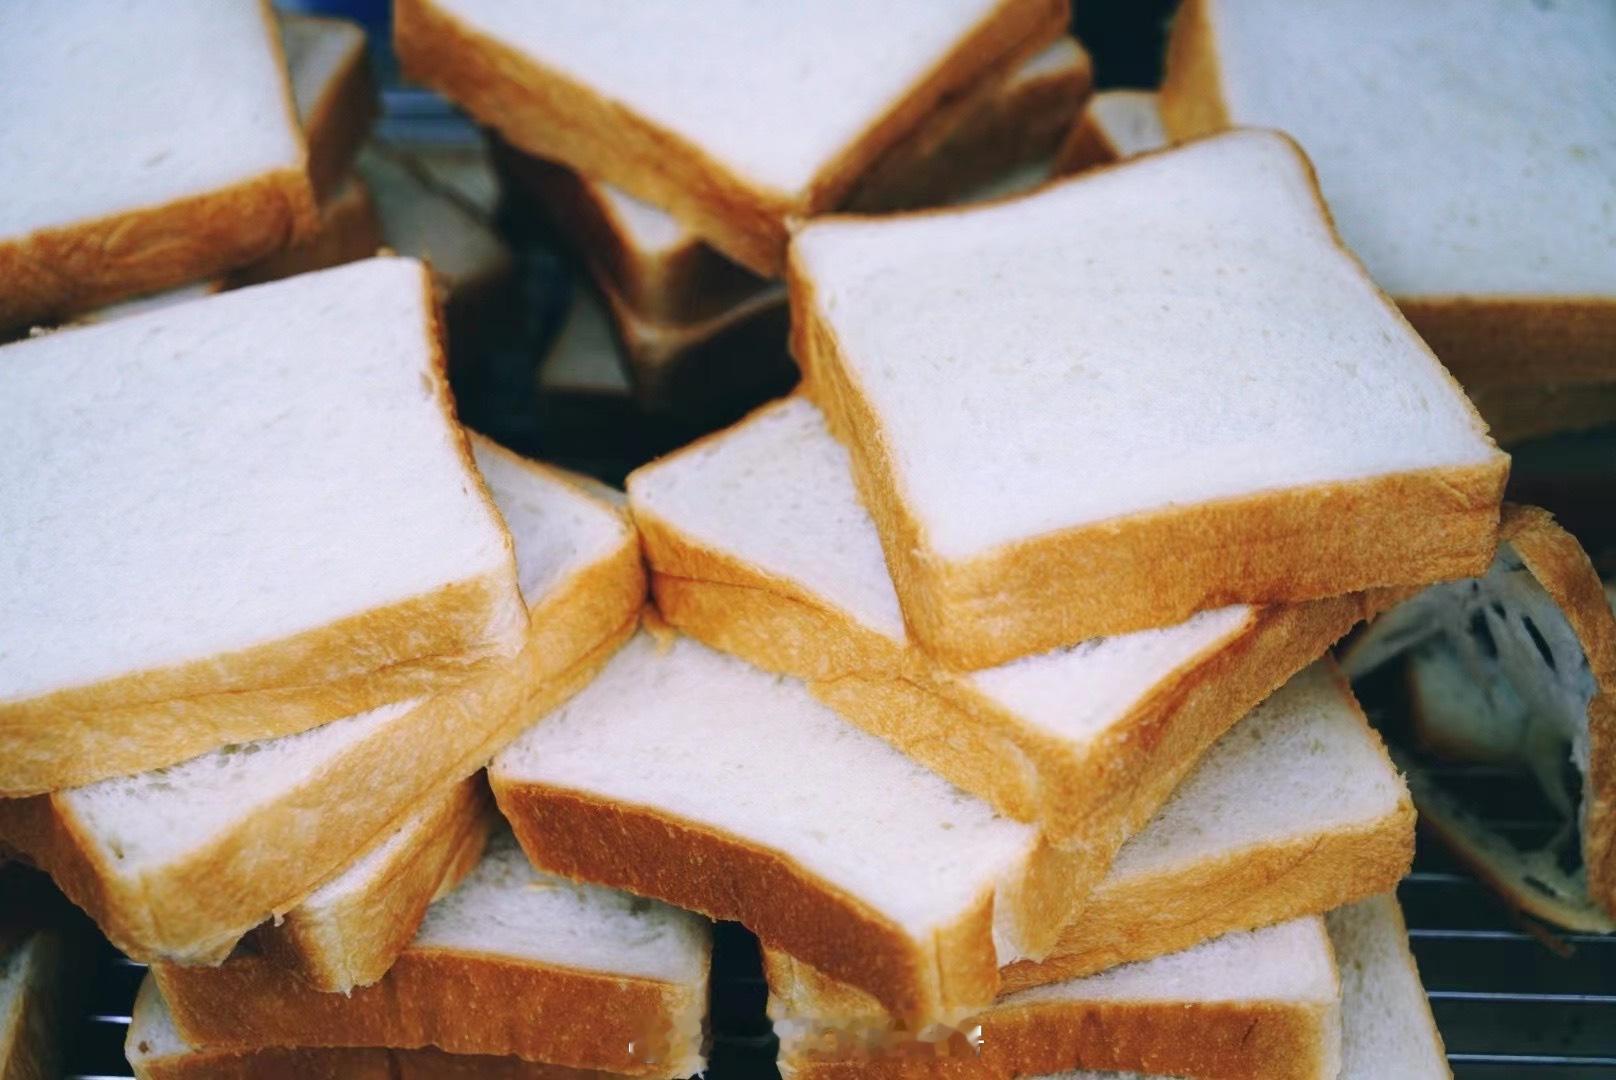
{"x":1509,"y":278}
{"x":243,"y":810}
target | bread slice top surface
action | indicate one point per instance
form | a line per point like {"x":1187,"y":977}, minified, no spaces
{"x":425,"y":224}
{"x":1385,"y":1016}
{"x":1288,"y":962}
{"x":706,"y":738}
{"x":1465,"y":149}
{"x":145,"y":820}
{"x":1303,"y":762}
{"x":778,"y":116}
{"x":776,"y":491}
{"x":318,"y":50}
{"x":505,"y":907}
{"x":1023,"y":359}
{"x":1130,"y":120}
{"x":246,"y":447}
{"x":152,"y":1034}
{"x":154,"y":101}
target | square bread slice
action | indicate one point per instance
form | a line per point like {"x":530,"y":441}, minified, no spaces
{"x":690,"y":776}
{"x":123,"y":193}
{"x":348,"y":932}
{"x":1487,"y":211}
{"x":513,"y":961}
{"x":1333,"y":824}
{"x":1263,"y":1003}
{"x":1116,"y":124}
{"x":277,"y":524}
{"x":759,"y":546}
{"x":1133,"y":395}
{"x":737,"y":150}
{"x":180,"y":862}
{"x":332,"y":92}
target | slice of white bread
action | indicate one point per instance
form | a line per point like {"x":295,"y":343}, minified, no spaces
{"x":737,"y":150}
{"x":233,"y":556}
{"x":1116,"y":124}
{"x":332,"y":91}
{"x":1486,"y":212}
{"x":663,"y":274}
{"x":35,"y":974}
{"x":1006,"y":417}
{"x":1332,"y":825}
{"x":513,"y":961}
{"x":1533,"y":644}
{"x":124,"y":192}
{"x":1263,"y":1004}
{"x":348,"y":932}
{"x":179,"y":863}
{"x":759,"y":546}
{"x":690,"y":776}
{"x":1387,"y":1030}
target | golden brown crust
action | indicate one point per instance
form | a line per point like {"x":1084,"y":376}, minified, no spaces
{"x":546,"y":113}
{"x":349,"y":230}
{"x":339,"y":123}
{"x":1091,"y":797}
{"x":356,"y":939}
{"x":350,"y":1063}
{"x":1086,"y":146}
{"x":654,"y":853}
{"x":1270,"y":1040}
{"x":460,"y":1002}
{"x":1559,"y":564}
{"x":1193,"y":101}
{"x":148,"y":719}
{"x":1504,"y":341}
{"x":54,"y":273}
{"x":1017,"y":599}
{"x":184,"y":910}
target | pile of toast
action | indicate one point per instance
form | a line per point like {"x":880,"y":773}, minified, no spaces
{"x":984,"y":676}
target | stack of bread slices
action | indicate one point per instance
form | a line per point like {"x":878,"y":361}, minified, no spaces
{"x":984,"y":677}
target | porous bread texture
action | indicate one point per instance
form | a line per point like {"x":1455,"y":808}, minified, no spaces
{"x":1537,"y":638}
{"x":237,"y":843}
{"x":734,"y":153}
{"x":348,"y":231}
{"x":313,"y":429}
{"x":348,"y":932}
{"x":504,"y":964}
{"x":1334,"y":825}
{"x":1008,"y":441}
{"x":1485,"y":209}
{"x":157,"y":1052}
{"x":1263,"y":1003}
{"x":690,"y":776}
{"x":332,"y":91}
{"x":181,"y":169}
{"x":759,"y":546}
{"x":662,"y":275}
{"x":464,"y":253}
{"x":1116,"y":124}
{"x":1385,"y":1014}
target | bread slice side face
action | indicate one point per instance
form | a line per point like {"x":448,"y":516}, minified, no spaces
{"x":498,"y":966}
{"x":202,"y":171}
{"x":1083,"y":742}
{"x":732,"y":792}
{"x":1264,"y":1003}
{"x":333,"y":93}
{"x":1508,"y":279}
{"x":134,"y":663}
{"x":1115,"y":124}
{"x":946,"y":409}
{"x":350,"y":930}
{"x":236,"y":843}
{"x":555,"y":85}
{"x":1386,"y":1019}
